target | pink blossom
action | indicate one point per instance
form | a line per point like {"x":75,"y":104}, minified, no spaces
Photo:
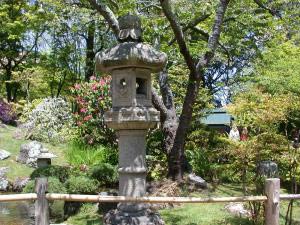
{"x":93,"y":77}
{"x":83,"y":110}
{"x":102,"y":82}
{"x":79,"y":123}
{"x":94,"y":87}
{"x":77,"y":86}
{"x":87,"y":118}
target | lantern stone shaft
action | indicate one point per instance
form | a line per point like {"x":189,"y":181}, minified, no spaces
{"x":130,"y":64}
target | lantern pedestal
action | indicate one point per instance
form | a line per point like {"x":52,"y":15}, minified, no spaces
{"x":146,"y":217}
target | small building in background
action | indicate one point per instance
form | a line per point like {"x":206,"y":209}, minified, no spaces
{"x":218,"y":119}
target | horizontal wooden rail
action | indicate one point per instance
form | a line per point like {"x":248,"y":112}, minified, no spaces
{"x":289,"y":196}
{"x":98,"y":198}
{"x":18,"y":197}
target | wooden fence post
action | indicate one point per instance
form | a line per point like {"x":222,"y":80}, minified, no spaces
{"x":272,"y":190}
{"x":41,"y":204}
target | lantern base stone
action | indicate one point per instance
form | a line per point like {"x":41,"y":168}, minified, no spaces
{"x":145,"y":217}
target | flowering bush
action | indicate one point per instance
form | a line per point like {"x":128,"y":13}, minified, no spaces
{"x":48,"y":119}
{"x":7,"y":114}
{"x":92,"y":100}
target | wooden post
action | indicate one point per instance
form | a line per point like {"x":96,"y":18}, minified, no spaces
{"x":272,"y":190}
{"x":41,"y":204}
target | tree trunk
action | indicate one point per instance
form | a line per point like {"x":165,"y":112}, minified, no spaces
{"x":176,"y":161}
{"x":169,"y":119}
{"x":90,"y":54}
{"x":8,"y":85}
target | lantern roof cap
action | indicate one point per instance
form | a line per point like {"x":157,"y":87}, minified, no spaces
{"x":130,"y":54}
{"x":45,"y":154}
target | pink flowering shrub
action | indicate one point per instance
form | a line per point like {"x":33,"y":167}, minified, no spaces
{"x":92,"y":100}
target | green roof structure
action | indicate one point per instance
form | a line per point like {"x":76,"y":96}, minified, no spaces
{"x":217,"y":118}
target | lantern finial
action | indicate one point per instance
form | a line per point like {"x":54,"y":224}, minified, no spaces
{"x":130,"y":29}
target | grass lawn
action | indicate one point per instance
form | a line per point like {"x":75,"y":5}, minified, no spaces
{"x":8,"y":143}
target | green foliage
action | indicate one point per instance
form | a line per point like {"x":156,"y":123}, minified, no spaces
{"x":82,"y":185}
{"x":28,"y":108}
{"x":54,"y":186}
{"x":204,"y":151}
{"x":106,"y":174}
{"x":155,"y":157}
{"x":60,"y":172}
{"x":79,"y":153}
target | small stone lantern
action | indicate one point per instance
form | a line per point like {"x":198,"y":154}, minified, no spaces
{"x":130,"y":64}
{"x":44,"y":158}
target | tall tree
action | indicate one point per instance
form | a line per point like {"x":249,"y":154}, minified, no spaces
{"x":19,"y":19}
{"x":200,"y":48}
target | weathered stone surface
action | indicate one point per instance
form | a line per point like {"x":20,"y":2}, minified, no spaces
{"x":145,"y":217}
{"x":105,"y":207}
{"x":4,"y":184}
{"x":132,"y":118}
{"x":4,"y":154}
{"x":3,"y":171}
{"x":20,"y":183}
{"x":131,"y":54}
{"x":29,"y":152}
{"x":237,"y":209}
{"x":198,"y":181}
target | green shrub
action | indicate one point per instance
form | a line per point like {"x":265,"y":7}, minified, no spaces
{"x":82,"y":185}
{"x":54,"y":186}
{"x":105,"y":173}
{"x":79,"y":153}
{"x":60,"y":172}
{"x":156,"y":158}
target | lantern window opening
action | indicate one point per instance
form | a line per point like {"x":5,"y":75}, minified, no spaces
{"x":141,"y":87}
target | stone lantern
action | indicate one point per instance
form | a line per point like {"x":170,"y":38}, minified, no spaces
{"x":44,"y":158}
{"x":130,"y":64}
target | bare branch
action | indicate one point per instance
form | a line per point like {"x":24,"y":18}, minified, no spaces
{"x":108,"y":15}
{"x":271,"y":11}
{"x":204,"y":34}
{"x":178,"y":35}
{"x":165,"y":89}
{"x":20,"y":60}
{"x":158,"y":103}
{"x":215,"y":35}
{"x":192,"y":24}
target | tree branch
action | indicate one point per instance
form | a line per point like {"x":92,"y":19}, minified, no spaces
{"x":215,"y":35}
{"x":192,"y":24}
{"x":166,"y":92}
{"x":158,"y":103}
{"x":271,"y":11}
{"x":108,"y":15}
{"x":178,"y":35}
